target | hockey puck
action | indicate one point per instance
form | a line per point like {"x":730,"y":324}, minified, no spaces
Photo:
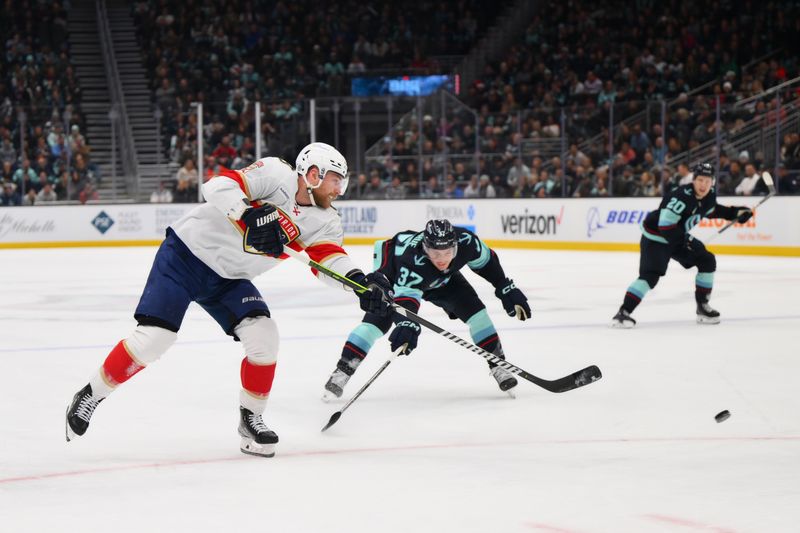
{"x":722,"y":416}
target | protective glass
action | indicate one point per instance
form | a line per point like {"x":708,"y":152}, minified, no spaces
{"x":338,"y":180}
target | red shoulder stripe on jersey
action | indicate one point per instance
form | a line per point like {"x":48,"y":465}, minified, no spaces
{"x":236,"y":176}
{"x":319,"y":252}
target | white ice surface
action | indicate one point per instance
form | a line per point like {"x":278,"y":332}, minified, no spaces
{"x":433,"y":445}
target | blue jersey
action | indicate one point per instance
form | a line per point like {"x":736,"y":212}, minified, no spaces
{"x":403,"y":260}
{"x":679,"y":212}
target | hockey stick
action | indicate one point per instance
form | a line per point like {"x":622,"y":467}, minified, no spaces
{"x":338,"y":414}
{"x":767,"y":177}
{"x":566,"y":383}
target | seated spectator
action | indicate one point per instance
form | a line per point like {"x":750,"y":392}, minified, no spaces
{"x":396,"y":190}
{"x":451,"y":188}
{"x":86,"y":169}
{"x":8,"y":154}
{"x":747,"y":185}
{"x":683,"y":176}
{"x":7,"y":173}
{"x":431,"y":188}
{"x":646,"y":186}
{"x":518,"y":171}
{"x":88,"y":193}
{"x":47,"y":195}
{"x":413,"y":189}
{"x":187,"y":173}
{"x":62,"y":187}
{"x":485,"y":188}
{"x":356,"y":190}
{"x":10,"y":196}
{"x":76,"y":185}
{"x":30,"y":197}
{"x":375,"y":190}
{"x":25,"y":176}
{"x":77,"y":142}
{"x":546,"y":186}
{"x":162,"y":195}
{"x":472,"y":190}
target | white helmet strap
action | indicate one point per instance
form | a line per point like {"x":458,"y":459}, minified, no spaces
{"x":310,"y":188}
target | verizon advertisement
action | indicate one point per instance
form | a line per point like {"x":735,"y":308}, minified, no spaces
{"x":575,"y":224}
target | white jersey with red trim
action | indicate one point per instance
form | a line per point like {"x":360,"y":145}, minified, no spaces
{"x":214,"y":233}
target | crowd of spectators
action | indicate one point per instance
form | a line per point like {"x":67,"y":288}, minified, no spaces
{"x":43,"y":152}
{"x":576,"y":64}
{"x":591,"y":61}
{"x":230,"y":54}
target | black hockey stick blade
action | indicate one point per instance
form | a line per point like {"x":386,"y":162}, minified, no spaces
{"x":588,"y":375}
{"x":334,"y":418}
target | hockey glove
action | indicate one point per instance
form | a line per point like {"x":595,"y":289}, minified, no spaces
{"x":514,"y":302}
{"x":264,"y":230}
{"x":405,"y":335}
{"x":743,"y":214}
{"x":694,"y":246}
{"x":378,"y":299}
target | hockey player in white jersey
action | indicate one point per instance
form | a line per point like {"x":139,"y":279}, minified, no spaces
{"x":210,"y":255}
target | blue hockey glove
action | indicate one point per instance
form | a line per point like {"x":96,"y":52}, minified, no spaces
{"x":693,"y":245}
{"x":514,"y":302}
{"x":405,"y":334}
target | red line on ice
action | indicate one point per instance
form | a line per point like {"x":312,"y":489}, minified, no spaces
{"x":311,"y":453}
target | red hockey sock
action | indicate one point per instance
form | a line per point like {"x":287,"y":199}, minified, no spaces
{"x":257,"y":379}
{"x":120,"y":366}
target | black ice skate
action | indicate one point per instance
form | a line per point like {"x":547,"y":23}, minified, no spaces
{"x":335,"y":385}
{"x":80,"y":412}
{"x":706,"y":314}
{"x":505,"y":379}
{"x":257,"y":438}
{"x":622,"y":319}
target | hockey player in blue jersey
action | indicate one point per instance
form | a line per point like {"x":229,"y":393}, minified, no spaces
{"x":665,"y":236}
{"x":425,"y":266}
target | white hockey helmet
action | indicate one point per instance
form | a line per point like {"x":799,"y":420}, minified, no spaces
{"x":326,"y":158}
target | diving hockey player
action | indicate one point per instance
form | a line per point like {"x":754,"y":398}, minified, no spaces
{"x":425,"y":266}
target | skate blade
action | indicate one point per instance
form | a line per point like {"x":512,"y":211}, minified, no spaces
{"x":707,"y":320}
{"x":250,"y":447}
{"x":329,"y":397}
{"x":621,"y":325}
{"x":511,"y":393}
{"x":68,"y":430}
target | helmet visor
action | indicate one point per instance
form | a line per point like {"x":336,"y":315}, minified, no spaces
{"x":340,"y":181}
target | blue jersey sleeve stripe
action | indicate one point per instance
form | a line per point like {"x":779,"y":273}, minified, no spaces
{"x":401,"y":292}
{"x":482,"y":259}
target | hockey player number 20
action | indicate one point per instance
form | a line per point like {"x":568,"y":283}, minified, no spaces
{"x":676,"y":206}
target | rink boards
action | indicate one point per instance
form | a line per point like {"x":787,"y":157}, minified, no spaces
{"x":559,"y":224}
